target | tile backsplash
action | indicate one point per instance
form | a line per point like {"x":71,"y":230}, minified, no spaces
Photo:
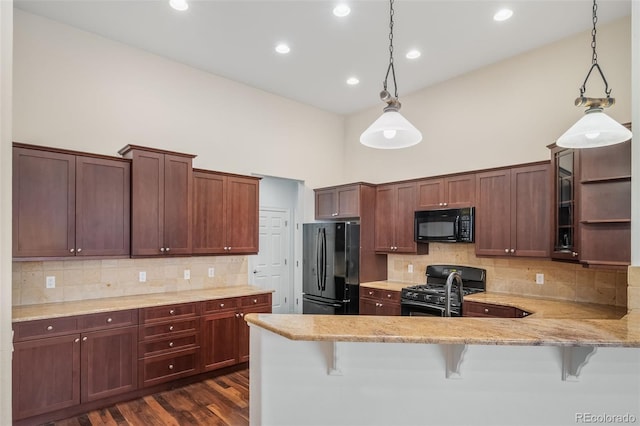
{"x":516,"y":275}
{"x":93,"y":279}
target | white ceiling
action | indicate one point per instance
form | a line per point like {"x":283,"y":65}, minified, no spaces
{"x":236,"y":38}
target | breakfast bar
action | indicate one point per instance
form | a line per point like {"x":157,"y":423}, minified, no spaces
{"x":447,"y":371}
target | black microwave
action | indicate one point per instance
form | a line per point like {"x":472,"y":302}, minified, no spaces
{"x":445,"y":225}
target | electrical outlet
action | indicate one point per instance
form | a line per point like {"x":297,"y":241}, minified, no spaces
{"x":212,"y":272}
{"x":539,"y":278}
{"x":187,"y":274}
{"x":410,"y":268}
{"x":142,"y":277}
{"x":51,"y":282}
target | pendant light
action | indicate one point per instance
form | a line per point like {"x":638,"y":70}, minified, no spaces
{"x":391,"y":130}
{"x":596,"y":128}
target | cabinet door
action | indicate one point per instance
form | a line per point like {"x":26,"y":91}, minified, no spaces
{"x":147,"y":203}
{"x":178,"y":181}
{"x":430,"y":194}
{"x":530,"y":211}
{"x":385,"y":218}
{"x":102,"y":207}
{"x":208,"y":213}
{"x":368,"y":306}
{"x":243,"y":330}
{"x":242,"y":214}
{"x":326,"y":204}
{"x":46,"y":375}
{"x":493,"y":213}
{"x":219,"y":340}
{"x":405,"y":207}
{"x":460,"y":191}
{"x":388,"y":308}
{"x":109,"y":363}
{"x":348,"y":199}
{"x":43,"y":203}
{"x":565,"y":229}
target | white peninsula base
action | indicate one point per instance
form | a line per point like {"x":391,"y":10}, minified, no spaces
{"x":297,"y":382}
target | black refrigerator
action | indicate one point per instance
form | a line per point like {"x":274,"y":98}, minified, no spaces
{"x":331,"y":257}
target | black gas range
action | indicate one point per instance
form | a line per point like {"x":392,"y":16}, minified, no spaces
{"x":431,"y":299}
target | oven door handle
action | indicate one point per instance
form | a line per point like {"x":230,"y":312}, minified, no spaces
{"x":411,"y":304}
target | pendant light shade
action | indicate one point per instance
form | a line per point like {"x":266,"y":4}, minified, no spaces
{"x":593,"y":130}
{"x":391,"y":131}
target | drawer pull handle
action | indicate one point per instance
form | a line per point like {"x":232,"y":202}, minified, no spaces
{"x":170,"y":328}
{"x":170,"y":344}
{"x":172,"y":311}
{"x":49,"y":328}
{"x":486,"y":311}
{"x":170,"y":366}
{"x":109,"y":320}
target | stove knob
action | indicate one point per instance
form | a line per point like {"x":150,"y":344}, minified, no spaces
{"x":441,"y":300}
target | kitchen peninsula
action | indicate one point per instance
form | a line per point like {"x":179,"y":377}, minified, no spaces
{"x":442,"y":371}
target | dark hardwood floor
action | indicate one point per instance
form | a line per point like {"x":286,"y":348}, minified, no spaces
{"x":223,"y":400}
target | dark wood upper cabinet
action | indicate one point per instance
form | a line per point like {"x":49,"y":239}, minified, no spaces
{"x":448,"y":192}
{"x":592,"y":205}
{"x":512,"y":212}
{"x":225,"y":213}
{"x":161,"y":191}
{"x":338,"y":202}
{"x":68,"y":204}
{"x":395,"y":206}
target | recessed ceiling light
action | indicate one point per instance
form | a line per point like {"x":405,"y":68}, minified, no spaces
{"x":341,"y":10}
{"x":503,"y":15}
{"x":352,"y":81}
{"x":413,"y":54}
{"x":283,"y":48}
{"x":180,"y":5}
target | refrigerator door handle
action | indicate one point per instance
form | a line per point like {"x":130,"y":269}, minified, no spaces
{"x":318,"y":254}
{"x":324,"y":259}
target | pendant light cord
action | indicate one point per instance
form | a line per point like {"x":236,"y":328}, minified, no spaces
{"x":391,"y":67}
{"x":594,"y":56}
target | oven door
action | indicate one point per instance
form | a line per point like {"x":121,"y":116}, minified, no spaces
{"x":417,"y":309}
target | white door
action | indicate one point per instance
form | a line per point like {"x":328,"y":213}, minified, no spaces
{"x":271,"y":267}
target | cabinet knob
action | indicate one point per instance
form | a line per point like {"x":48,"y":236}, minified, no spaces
{"x":222,"y":305}
{"x":445,"y":204}
{"x":370,"y":293}
{"x":506,"y":250}
{"x":167,"y":249}
{"x":170,"y":366}
{"x":229,"y":248}
{"x":77,"y":340}
{"x":49,"y":327}
{"x":241,"y":315}
{"x":512,"y":250}
{"x":574,"y":254}
{"x":84,"y":339}
{"x":334,"y":214}
{"x":440,"y":204}
{"x":172,"y":311}
{"x":486,"y":311}
{"x":237,"y":315}
{"x":162,"y":249}
{"x":79,"y":250}
{"x":255,"y":300}
{"x":71,"y":250}
{"x":170,"y":344}
{"x":389,"y":296}
{"x":170,"y":328}
{"x":109,"y":320}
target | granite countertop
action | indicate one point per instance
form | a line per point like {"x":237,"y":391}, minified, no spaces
{"x":553,"y":322}
{"x":92,"y":306}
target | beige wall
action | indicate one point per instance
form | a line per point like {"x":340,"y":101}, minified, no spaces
{"x":503,"y":114}
{"x":80,"y":91}
{"x":563,"y":281}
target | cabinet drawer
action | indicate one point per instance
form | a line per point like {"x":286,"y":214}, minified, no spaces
{"x":166,"y":328}
{"x":167,"y":312}
{"x":108,"y":319}
{"x":475,"y":309}
{"x":172,"y":343}
{"x":44,"y":328}
{"x":165,"y":368}
{"x":376,"y":293}
{"x":220,"y":305}
{"x":258,"y":299}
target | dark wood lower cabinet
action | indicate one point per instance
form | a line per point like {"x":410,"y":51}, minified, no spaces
{"x":63,"y":366}
{"x":375,"y":301}
{"x":480,"y":309}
